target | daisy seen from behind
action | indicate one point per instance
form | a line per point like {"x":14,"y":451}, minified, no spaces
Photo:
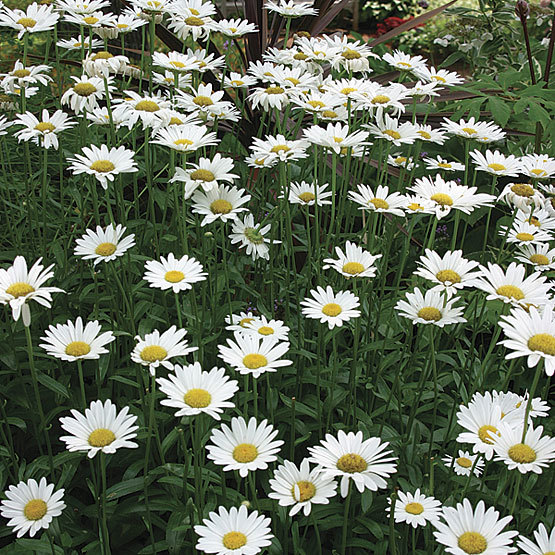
{"x":101,"y":428}
{"x":332,"y":308}
{"x":245,"y":446}
{"x":31,"y":506}
{"x":251,"y":236}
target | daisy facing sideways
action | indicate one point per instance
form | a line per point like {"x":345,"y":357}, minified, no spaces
{"x":332,"y":308}
{"x":245,"y":446}
{"x":366,"y":462}
{"x":101,"y":428}
{"x":235,"y":532}
{"x":301,"y":487}
{"x":31,"y":506}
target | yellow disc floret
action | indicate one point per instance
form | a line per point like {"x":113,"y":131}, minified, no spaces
{"x":245,"y":453}
{"x":101,"y":437}
{"x":351,"y":463}
{"x":174,"y":276}
{"x":153,"y":353}
{"x":234,"y":540}
{"x":197,"y":398}
{"x":19,"y":289}
{"x":543,"y":342}
{"x":254,"y":361}
{"x":78,"y":349}
{"x":35,"y":509}
{"x":332,"y":309}
{"x":472,"y":543}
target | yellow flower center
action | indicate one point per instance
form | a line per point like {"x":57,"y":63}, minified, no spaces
{"x":233,"y":29}
{"x":400,"y":160}
{"x":237,"y":82}
{"x":392,"y":133}
{"x":543,"y":342}
{"x":330,"y":114}
{"x":332,"y":309}
{"x":265,"y":330}
{"x":245,"y":453}
{"x":292,"y":80}
{"x":174,"y":276}
{"x":472,"y":543}
{"x":84,"y":89}
{"x":102,"y":166}
{"x":316,"y":103}
{"x":427,"y":136}
{"x":26,"y":22}
{"x":91,"y":20}
{"x":524,"y":236}
{"x":438,"y":78}
{"x":78,"y":349}
{"x":234,"y":540}
{"x":35,"y":509}
{"x":102,"y":56}
{"x":186,"y":142}
{"x":300,"y":56}
{"x":464,"y":462}
{"x":303,"y":491}
{"x":445,"y":165}
{"x":539,"y":172}
{"x":350,"y":54}
{"x":203,"y":101}
{"x":485,"y":432}
{"x":511,"y":292}
{"x":414,"y":206}
{"x":221,"y":206}
{"x":404,"y":64}
{"x":414,"y":508}
{"x":522,"y":453}
{"x":430,"y":313}
{"x":19,"y":289}
{"x":381,"y":99}
{"x":244,"y":323}
{"x":122,"y":26}
{"x":19,"y":73}
{"x":175,"y":121}
{"x":540,"y":259}
{"x":347,"y":90}
{"x":194,"y":12}
{"x":351,"y":463}
{"x":497,"y":167}
{"x":442,"y":199}
{"x":469,"y":130}
{"x":280,"y":148}
{"x":45,"y":127}
{"x":254,"y":361}
{"x":307,"y":197}
{"x":152,"y":353}
{"x":177,"y":63}
{"x":105,"y":249}
{"x":147,"y":106}
{"x":353,"y":268}
{"x":197,"y":398}
{"x":101,"y":437}
{"x":194,"y":21}
{"x":448,"y":275}
{"x":379,"y":203}
{"x":202,"y":175}
{"x":274,"y":90}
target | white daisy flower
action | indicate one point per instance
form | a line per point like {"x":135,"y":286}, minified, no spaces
{"x":239,"y":322}
{"x":522,"y":196}
{"x":279,"y":148}
{"x":336,"y":137}
{"x":94,"y":20}
{"x":104,"y":244}
{"x":31,"y":506}
{"x":290,"y":8}
{"x":308,"y":194}
{"x":158,"y":348}
{"x":464,"y":464}
{"x":81,"y":6}
{"x":101,"y":64}
{"x":448,"y":195}
{"x":450,"y":273}
{"x":431,"y":308}
{"x":393,"y":131}
{"x":430,"y":135}
{"x":18,"y":285}
{"x":403,"y":61}
{"x":193,"y":391}
{"x":272,"y":96}
{"x":43,"y":131}
{"x":545,"y":543}
{"x":173,"y":273}
{"x":537,"y":166}
{"x":541,"y":218}
{"x":199,"y":100}
{"x":220,"y":203}
{"x":415,"y":204}
{"x":244,"y":446}
{"x":529,"y":455}
{"x":254,"y":354}
{"x":234,"y":532}
{"x":471,"y":129}
{"x":80,"y":42}
{"x":20,"y":77}
{"x":176,"y":62}
{"x":146,"y":108}
{"x":482,"y":419}
{"x":354,"y":262}
{"x":236,"y":80}
{"x":85,"y":93}
{"x":525,"y":233}
{"x":185,"y":138}
{"x":379,"y":99}
{"x":466,"y":531}
{"x":496,"y":163}
{"x":34,"y":19}
{"x":235,"y":27}
{"x":512,"y":286}
{"x":251,"y":236}
{"x":541,"y":256}
{"x":103,"y":163}
{"x":100,"y":429}
{"x":71,"y":341}
{"x":399,"y":161}
{"x":352,"y":56}
{"x":364,"y":461}
{"x":332,"y":308}
{"x":379,"y":201}
{"x":440,"y":164}
{"x":301,"y":487}
{"x":441,"y":76}
{"x":262,"y":327}
{"x":415,"y":508}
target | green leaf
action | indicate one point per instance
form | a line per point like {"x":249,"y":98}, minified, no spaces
{"x":53,"y":385}
{"x":499,"y":110}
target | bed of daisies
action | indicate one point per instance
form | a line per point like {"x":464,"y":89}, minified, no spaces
{"x":265,"y":304}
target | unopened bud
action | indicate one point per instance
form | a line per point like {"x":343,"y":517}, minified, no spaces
{"x":522,"y":9}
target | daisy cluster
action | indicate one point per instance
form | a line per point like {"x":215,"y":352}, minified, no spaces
{"x":191,"y":181}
